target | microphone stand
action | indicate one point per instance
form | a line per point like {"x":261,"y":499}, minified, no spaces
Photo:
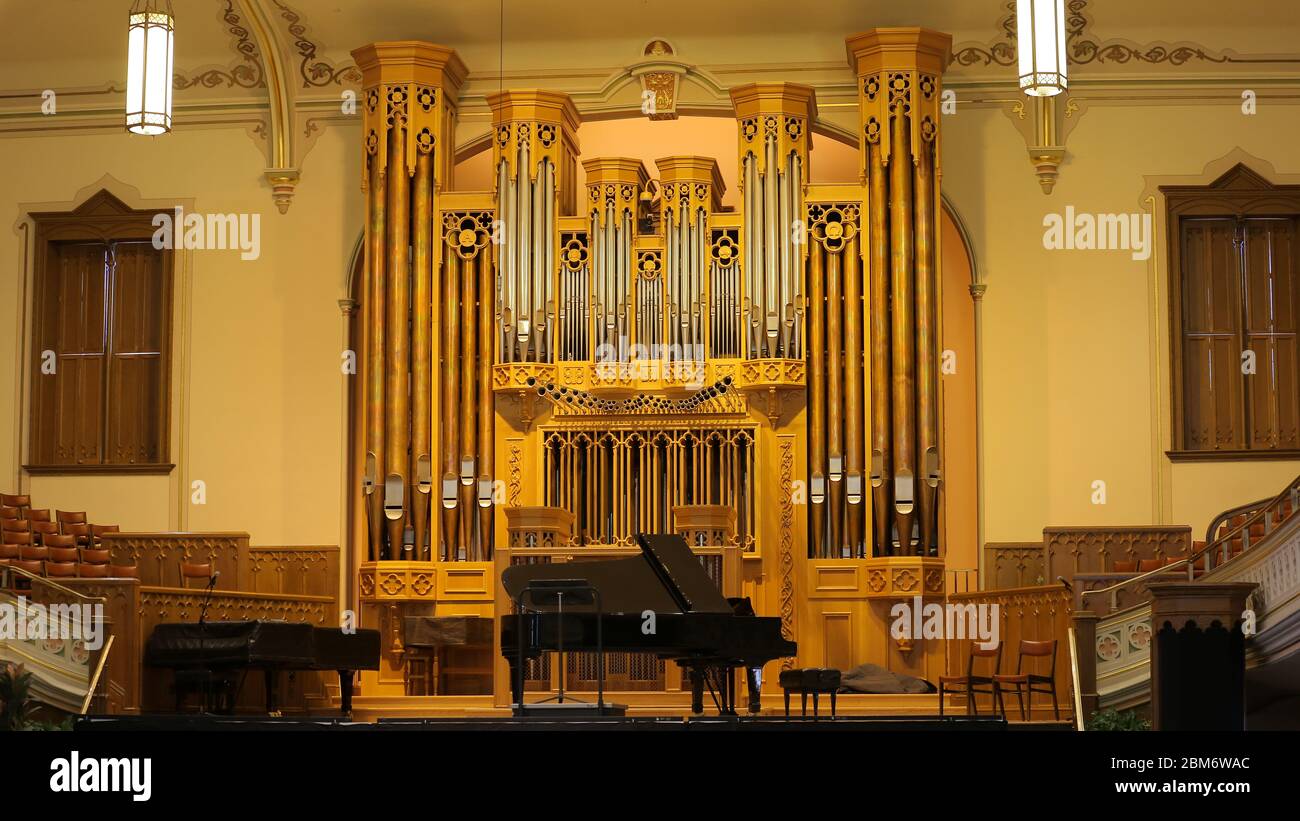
{"x":203,"y":633}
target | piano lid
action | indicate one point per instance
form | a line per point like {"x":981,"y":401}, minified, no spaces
{"x":682,"y":573}
{"x":627,"y":584}
{"x":666,"y":578}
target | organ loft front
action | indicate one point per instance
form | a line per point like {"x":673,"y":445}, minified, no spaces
{"x":597,"y":348}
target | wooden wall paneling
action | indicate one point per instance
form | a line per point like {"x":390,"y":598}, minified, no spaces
{"x":159,"y":556}
{"x":1074,"y":550}
{"x":1034,"y":614}
{"x":1013,"y":564}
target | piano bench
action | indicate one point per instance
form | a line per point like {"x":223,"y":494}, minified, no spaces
{"x":815,"y":680}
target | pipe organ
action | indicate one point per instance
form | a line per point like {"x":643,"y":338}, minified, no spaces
{"x":899,"y":86}
{"x":559,"y":363}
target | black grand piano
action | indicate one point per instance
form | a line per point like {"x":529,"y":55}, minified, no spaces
{"x":220,"y":650}
{"x":708,"y":635}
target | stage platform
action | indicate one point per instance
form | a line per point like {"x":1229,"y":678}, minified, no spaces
{"x":191,"y":723}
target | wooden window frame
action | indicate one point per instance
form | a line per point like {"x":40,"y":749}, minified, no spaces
{"x":1239,"y":193}
{"x":101,"y":218}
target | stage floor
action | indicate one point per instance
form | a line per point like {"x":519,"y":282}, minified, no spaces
{"x":190,"y":723}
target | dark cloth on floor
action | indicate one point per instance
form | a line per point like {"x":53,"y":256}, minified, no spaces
{"x":872,"y":678}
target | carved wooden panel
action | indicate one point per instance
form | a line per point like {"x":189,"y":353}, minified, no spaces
{"x":1032,"y":614}
{"x":1013,"y":564}
{"x":1073,"y":550}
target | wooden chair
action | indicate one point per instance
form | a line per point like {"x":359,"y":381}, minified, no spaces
{"x":16,"y":537}
{"x":42,"y":529}
{"x":69,"y":517}
{"x":123,"y":571}
{"x":93,"y":555}
{"x":1125,"y":566}
{"x":31,"y":553}
{"x":61,"y":570}
{"x":11,"y":512}
{"x":191,"y":571}
{"x":97,"y":531}
{"x":15,"y":526}
{"x":92,"y":571}
{"x":1024,"y":683}
{"x":63,"y":555}
{"x":80,"y":531}
{"x":20,"y":582}
{"x":971,"y":683}
{"x":15,"y":500}
{"x":60,"y":541}
{"x":39,"y":515}
{"x":9,"y":553}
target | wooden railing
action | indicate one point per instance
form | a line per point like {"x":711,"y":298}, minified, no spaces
{"x":1218,"y":552}
{"x":1071,"y":551}
{"x":1014,"y":564}
{"x":1033,"y":614}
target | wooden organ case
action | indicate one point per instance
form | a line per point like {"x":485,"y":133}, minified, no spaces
{"x":549,"y":369}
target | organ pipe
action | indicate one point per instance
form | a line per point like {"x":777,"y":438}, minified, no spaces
{"x":397,"y":363}
{"x":421,"y":470}
{"x":899,"y":83}
{"x":374,"y":309}
{"x":409,"y":92}
{"x":902,"y":326}
{"x":773,"y":121}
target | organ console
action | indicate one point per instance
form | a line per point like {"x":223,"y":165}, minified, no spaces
{"x":623,"y":348}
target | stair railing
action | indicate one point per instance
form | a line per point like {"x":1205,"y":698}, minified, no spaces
{"x":1221,"y":546}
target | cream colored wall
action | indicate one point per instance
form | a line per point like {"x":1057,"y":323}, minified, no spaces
{"x":258,"y":389}
{"x":1068,"y":373}
{"x":1066,"y":380}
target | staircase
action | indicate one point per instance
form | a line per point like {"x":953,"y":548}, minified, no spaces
{"x":1258,"y":543}
{"x":65,"y":668}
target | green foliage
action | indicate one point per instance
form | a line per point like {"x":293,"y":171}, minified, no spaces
{"x":15,"y":698}
{"x":16,"y":705}
{"x":1107,"y":720}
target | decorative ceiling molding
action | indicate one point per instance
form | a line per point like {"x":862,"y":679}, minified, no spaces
{"x":246,"y":74}
{"x":315,"y":71}
{"x":283,"y":175}
{"x":1085,"y":48}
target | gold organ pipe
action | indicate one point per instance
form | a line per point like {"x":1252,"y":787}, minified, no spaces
{"x":421,"y":470}
{"x":904,"y":363}
{"x":835,"y":399}
{"x":816,"y":400}
{"x":397,"y":427}
{"x":374,"y":307}
{"x":468,"y":399}
{"x":926,"y":349}
{"x":486,"y":443}
{"x":450,"y":389}
{"x":853,"y":418}
{"x":878,"y":323}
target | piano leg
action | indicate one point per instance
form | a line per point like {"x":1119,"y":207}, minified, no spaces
{"x":751,"y":685}
{"x":345,"y":691}
{"x":515,"y":683}
{"x":272,"y":679}
{"x":697,"y":690}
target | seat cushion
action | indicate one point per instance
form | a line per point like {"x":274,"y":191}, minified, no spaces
{"x":1012,"y":679}
{"x":810,"y":679}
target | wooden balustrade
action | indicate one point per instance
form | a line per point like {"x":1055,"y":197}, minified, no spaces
{"x":1073,"y":550}
{"x":1013,"y":564}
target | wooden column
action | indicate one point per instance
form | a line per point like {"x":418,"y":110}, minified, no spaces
{"x":1198,"y":655}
